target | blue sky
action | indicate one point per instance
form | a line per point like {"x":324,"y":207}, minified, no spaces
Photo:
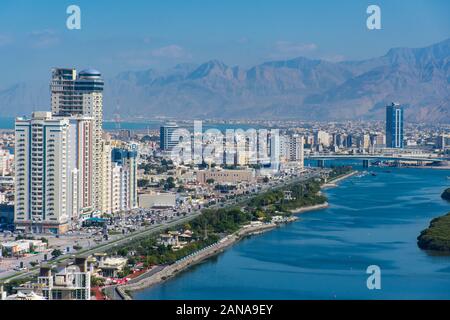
{"x":133,"y":35}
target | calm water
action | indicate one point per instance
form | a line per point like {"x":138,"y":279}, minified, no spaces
{"x":324,"y":255}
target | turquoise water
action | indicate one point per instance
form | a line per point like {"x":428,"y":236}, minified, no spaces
{"x":372,"y":220}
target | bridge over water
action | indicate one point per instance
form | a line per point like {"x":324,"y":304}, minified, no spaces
{"x":366,"y":158}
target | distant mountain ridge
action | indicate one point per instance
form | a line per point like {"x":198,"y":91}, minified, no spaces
{"x":300,"y":88}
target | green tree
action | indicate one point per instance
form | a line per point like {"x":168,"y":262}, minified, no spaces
{"x":170,"y":183}
{"x":446,"y":194}
{"x":56,"y":253}
{"x":97,"y":282}
{"x":151,"y":261}
{"x":142,"y":183}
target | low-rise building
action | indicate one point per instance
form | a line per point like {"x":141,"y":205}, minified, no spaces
{"x":112,"y":266}
{"x":175,"y":239}
{"x":225,"y":176}
{"x":16,"y":248}
{"x":66,"y":282}
{"x":157,"y":199}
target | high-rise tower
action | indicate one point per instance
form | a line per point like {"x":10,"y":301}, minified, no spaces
{"x":394,"y":126}
{"x":46,"y":179}
{"x":82,"y":94}
{"x":167,"y":142}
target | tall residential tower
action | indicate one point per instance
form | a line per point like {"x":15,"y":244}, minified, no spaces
{"x":46,"y":178}
{"x":82,"y":94}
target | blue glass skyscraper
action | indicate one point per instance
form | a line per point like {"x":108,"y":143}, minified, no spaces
{"x":394,"y":126}
{"x":167,"y":143}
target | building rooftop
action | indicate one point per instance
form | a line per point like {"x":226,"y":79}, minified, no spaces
{"x":90,"y":72}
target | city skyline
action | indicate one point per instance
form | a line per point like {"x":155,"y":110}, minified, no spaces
{"x":71,"y":177}
{"x":236,"y":150}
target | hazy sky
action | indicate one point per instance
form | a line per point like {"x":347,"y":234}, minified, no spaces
{"x":129,"y":35}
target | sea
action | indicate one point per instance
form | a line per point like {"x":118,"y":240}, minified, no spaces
{"x":373,"y":220}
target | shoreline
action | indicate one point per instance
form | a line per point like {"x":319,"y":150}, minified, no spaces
{"x":183,"y":264}
{"x":310,"y":208}
{"x":334,"y":182}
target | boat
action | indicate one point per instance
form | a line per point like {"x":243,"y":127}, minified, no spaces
{"x":373,"y":174}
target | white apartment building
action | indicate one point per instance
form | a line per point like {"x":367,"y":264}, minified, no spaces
{"x":288,"y":148}
{"x":46,"y":187}
{"x":322,"y":138}
{"x":6,"y":162}
{"x":106,"y":177}
{"x":295,"y":149}
{"x":119,"y":188}
{"x":123,"y":177}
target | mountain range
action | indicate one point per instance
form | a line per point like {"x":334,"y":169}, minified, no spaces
{"x":300,"y":88}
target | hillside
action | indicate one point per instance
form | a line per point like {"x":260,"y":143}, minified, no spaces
{"x":299,"y":88}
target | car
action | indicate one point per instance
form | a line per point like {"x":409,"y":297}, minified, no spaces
{"x":20,"y":268}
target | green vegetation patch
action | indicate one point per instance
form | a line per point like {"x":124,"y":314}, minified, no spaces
{"x":446,"y":194}
{"x":437,"y":235}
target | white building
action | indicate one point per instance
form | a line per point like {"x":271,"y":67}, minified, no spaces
{"x":288,"y":148}
{"x":46,"y":185}
{"x":127,"y":159}
{"x":116,"y":188}
{"x":106,"y":177}
{"x":54,"y":171}
{"x":6,"y":162}
{"x":67,"y":282}
{"x":322,"y":138}
{"x":296,"y":149}
{"x":158,"y":199}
